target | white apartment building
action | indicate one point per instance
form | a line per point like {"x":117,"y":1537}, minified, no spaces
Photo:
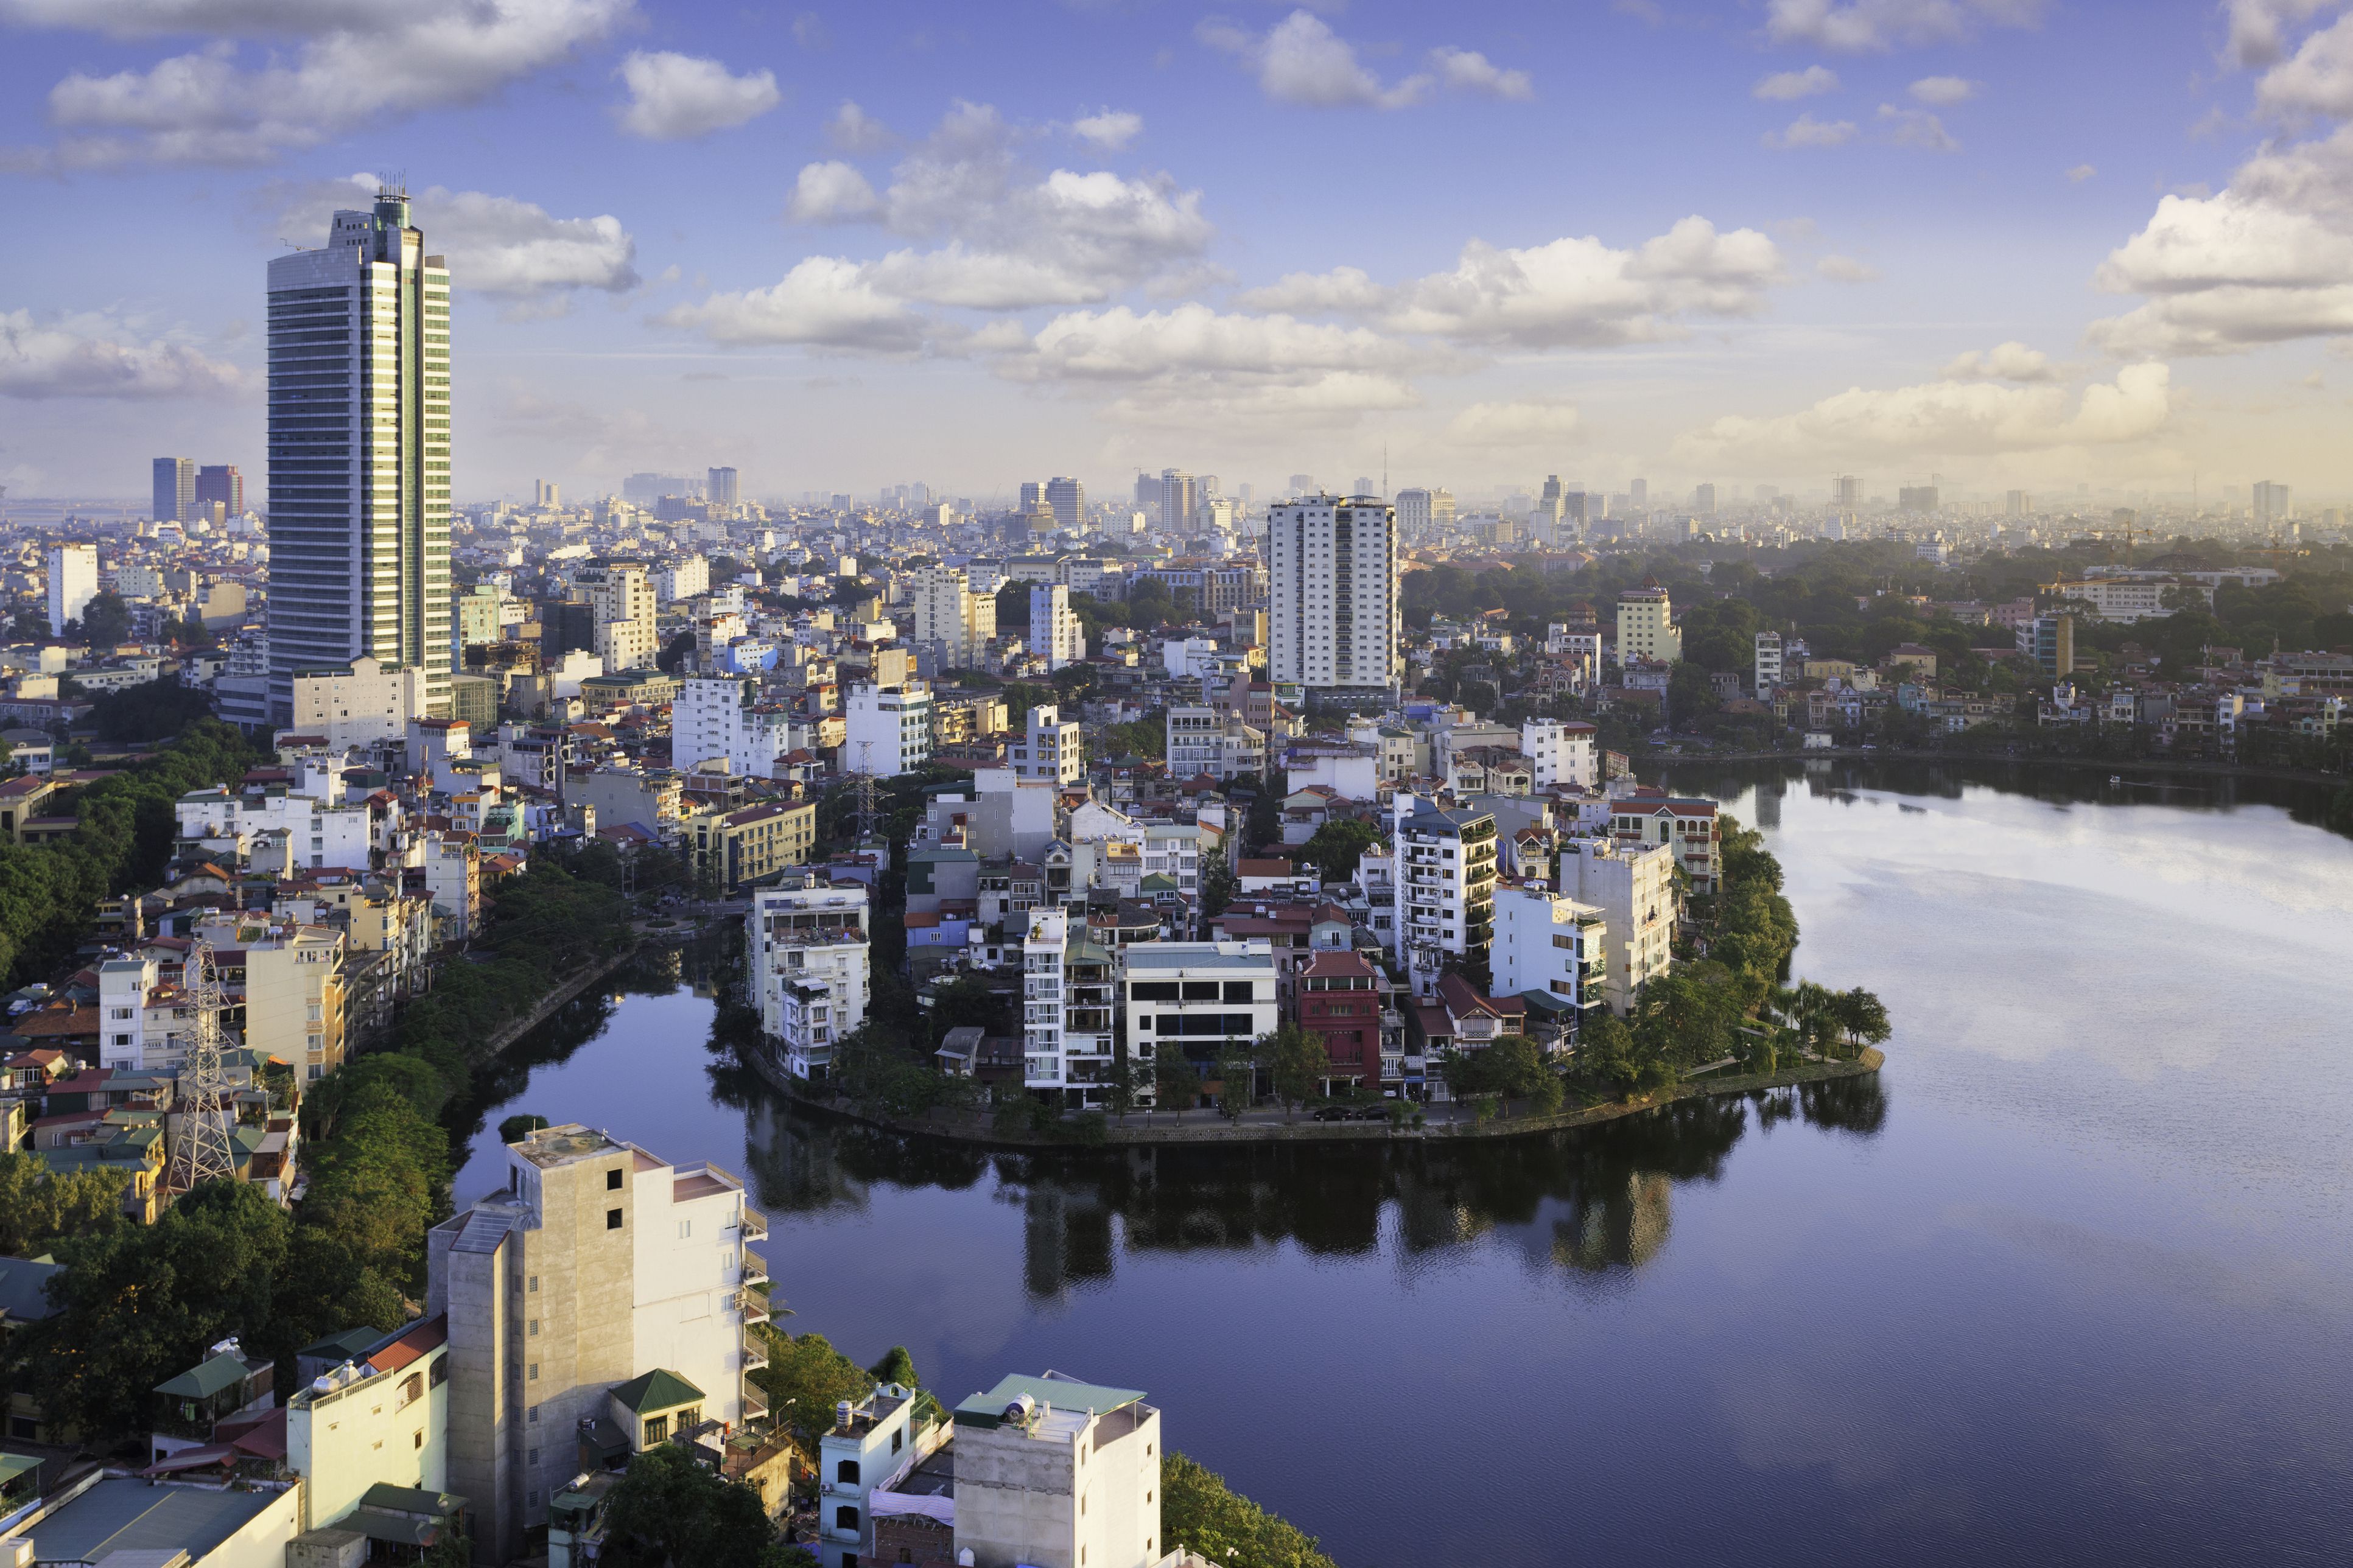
{"x":143,"y":1026}
{"x":73,"y":584}
{"x":682,"y":579}
{"x":357,"y":703}
{"x":721,"y":719}
{"x":1201,"y":999}
{"x":318,"y":834}
{"x":887,"y":730}
{"x":1055,"y":1473}
{"x":1445,"y":879}
{"x":1202,"y":741}
{"x":809,"y":957}
{"x":359,"y":453}
{"x":1646,"y":626}
{"x":1633,"y":886}
{"x":2126,"y":599}
{"x":1055,"y":634}
{"x":952,"y":613}
{"x":621,"y":607}
{"x":1067,"y":989}
{"x":1770,"y":672}
{"x":1550,"y":943}
{"x":1050,"y":750}
{"x":1332,"y":609}
{"x":1420,"y":513}
{"x":1560,"y":752}
{"x":596,"y":1275}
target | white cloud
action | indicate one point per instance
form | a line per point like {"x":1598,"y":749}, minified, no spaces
{"x":1783,"y":85}
{"x":1944,"y":91}
{"x":1513,"y":425}
{"x":2268,"y":259}
{"x":354,"y":63}
{"x":1468,"y":70}
{"x":1583,"y":293}
{"x":1916,"y":128}
{"x":2316,"y":79}
{"x":852,"y":129}
{"x":2081,"y":173}
{"x":1302,"y":60}
{"x":1845,"y":269}
{"x":500,"y":245}
{"x":673,"y":97}
{"x":1344,"y":288}
{"x":1940,"y":419}
{"x":2005,"y":361}
{"x":1871,"y":26}
{"x":96,"y":355}
{"x":1111,"y":130}
{"x":823,"y":303}
{"x":2259,"y":28}
{"x":1808,"y":132}
{"x":831,"y":192}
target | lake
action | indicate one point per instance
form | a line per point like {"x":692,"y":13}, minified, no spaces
{"x":2071,"y":1280}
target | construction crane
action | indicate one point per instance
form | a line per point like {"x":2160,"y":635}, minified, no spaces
{"x":202,"y":1151}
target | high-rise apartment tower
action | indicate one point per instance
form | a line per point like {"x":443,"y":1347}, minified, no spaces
{"x":359,"y":453}
{"x":1068,"y":497}
{"x":721,"y":487}
{"x":175,"y":489}
{"x":1332,"y":609}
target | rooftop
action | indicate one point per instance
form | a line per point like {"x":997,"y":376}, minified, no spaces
{"x":988,"y":1409}
{"x":119,"y":1514}
{"x":553,"y":1146}
{"x":1182,"y":955}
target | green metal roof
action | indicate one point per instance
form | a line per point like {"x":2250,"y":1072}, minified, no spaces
{"x":217,"y":1375}
{"x":15,"y":1465}
{"x":655,"y":1391}
{"x":349,"y":1345}
{"x":410,"y":1500}
{"x":1067,"y":1393}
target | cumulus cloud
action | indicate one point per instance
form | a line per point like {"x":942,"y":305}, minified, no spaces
{"x":2316,"y":79}
{"x":1916,"y":128}
{"x":1944,"y":91}
{"x":2267,"y":259}
{"x":1808,"y":132}
{"x":1507,"y":424}
{"x":1845,"y":269}
{"x":1344,"y":288}
{"x":1468,"y":70}
{"x":1871,"y":26}
{"x":832,"y":191}
{"x":96,"y":355}
{"x":2005,"y":361}
{"x":1111,"y":130}
{"x":1302,"y":60}
{"x":852,"y":129}
{"x":500,"y":245}
{"x":674,"y":96}
{"x":351,"y":63}
{"x":1979,"y":419}
{"x":2081,"y":173}
{"x":1783,"y":85}
{"x":2260,"y":29}
{"x":823,"y":303}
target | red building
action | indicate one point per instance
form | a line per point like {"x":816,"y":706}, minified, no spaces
{"x":1339,"y":997}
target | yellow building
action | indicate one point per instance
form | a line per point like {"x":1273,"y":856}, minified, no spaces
{"x":1646,"y":626}
{"x":381,"y":1420}
{"x":740,"y":847}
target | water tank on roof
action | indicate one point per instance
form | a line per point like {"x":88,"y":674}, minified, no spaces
{"x":1021,"y":1409}
{"x":841,"y":1413}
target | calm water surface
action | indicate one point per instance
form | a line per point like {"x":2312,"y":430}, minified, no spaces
{"x":2071,"y":1281}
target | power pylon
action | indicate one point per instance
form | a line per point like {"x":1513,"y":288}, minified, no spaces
{"x":204,"y":1150}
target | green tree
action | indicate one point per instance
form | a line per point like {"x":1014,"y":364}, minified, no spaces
{"x":1200,"y":1513}
{"x":1338,"y":846}
{"x":1517,"y":1069}
{"x":1858,"y":1018}
{"x":106,"y":620}
{"x":1217,"y":885}
{"x":1174,"y":1080}
{"x":36,"y":1206}
{"x":671,"y":1509}
{"x":1296,"y":1064}
{"x":805,"y":1377}
{"x":1130,"y":1080}
{"x":1264,"y":828}
{"x":1239,"y":1079}
{"x":897,"y":1365}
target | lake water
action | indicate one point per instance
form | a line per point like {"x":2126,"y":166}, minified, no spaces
{"x":2070,"y":1281}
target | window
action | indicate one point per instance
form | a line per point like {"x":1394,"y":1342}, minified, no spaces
{"x":533,"y":1375}
{"x":1241,"y":991}
{"x":845,"y":1518}
{"x":895,"y":1439}
{"x":535,"y":1327}
{"x":534,"y":1414}
{"x":657,"y":1430}
{"x":418,"y":1438}
{"x":612,"y":1219}
{"x":613,"y":1180}
{"x":534,"y":1282}
{"x":685,"y":1228}
{"x":845,"y":1472}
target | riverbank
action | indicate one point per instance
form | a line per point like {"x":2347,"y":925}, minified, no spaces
{"x":977,"y":1129}
{"x":2103,"y":764}
{"x":562,"y":991}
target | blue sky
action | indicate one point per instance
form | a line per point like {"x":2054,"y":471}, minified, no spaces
{"x":2031,"y":242}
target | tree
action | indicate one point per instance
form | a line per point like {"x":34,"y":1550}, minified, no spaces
{"x":671,"y":1509}
{"x":105,"y":620}
{"x":1175,"y":1082}
{"x":897,"y":1366}
{"x":1264,"y":828}
{"x":1297,"y":1064}
{"x":1858,"y":1018}
{"x":1217,"y":885}
{"x":1515,"y":1068}
{"x":1200,"y":1513}
{"x":36,"y":1206}
{"x":805,"y":1377}
{"x":1338,"y":846}
{"x":1239,"y":1080}
{"x":674,"y":653}
{"x":1130,"y":1080}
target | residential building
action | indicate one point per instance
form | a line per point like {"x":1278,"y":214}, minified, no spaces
{"x":735,"y":848}
{"x":1768,"y":665}
{"x":1203,"y":742}
{"x":359,"y":453}
{"x":2126,"y":599}
{"x":1179,"y":496}
{"x":1068,"y":500}
{"x":806,"y":954}
{"x":1055,"y":635}
{"x":682,"y":579}
{"x":73,"y":583}
{"x":1633,"y":886}
{"x":870,"y":1442}
{"x":1050,"y":750}
{"x":1337,"y":996}
{"x":1646,"y":626}
{"x":287,"y":979}
{"x":174,"y":489}
{"x":1688,"y":827}
{"x":2050,"y":642}
{"x":2270,"y":504}
{"x":1445,"y":881}
{"x":1067,"y":988}
{"x":1331,"y":612}
{"x":950,"y":612}
{"x":219,"y":484}
{"x":453,"y":880}
{"x":723,"y":719}
{"x":621,"y":606}
{"x":723,"y":487}
{"x":1560,"y":752}
{"x":187,"y":1525}
{"x":1204,"y":998}
{"x":597,"y":1282}
{"x":1549,"y":943}
{"x":1421,"y":513}
{"x":357,"y":702}
{"x":380,"y":1419}
{"x":1050,"y":1472}
{"x":887,"y":728}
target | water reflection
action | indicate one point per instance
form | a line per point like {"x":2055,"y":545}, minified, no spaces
{"x":1587,"y":1200}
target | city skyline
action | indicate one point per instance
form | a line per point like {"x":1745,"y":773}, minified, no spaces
{"x":1746,"y":244}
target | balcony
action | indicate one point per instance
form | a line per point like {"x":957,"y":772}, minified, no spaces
{"x":755,"y":1270}
{"x":755,"y":1403}
{"x":756,"y":1225}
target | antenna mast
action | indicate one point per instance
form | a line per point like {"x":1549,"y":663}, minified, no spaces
{"x":204,"y":1151}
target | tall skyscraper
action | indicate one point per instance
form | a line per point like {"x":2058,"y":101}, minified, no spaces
{"x":1068,"y":497}
{"x":359,"y":453}
{"x":2014,"y":504}
{"x":1421,"y":512}
{"x":1332,"y":607}
{"x":721,"y":488}
{"x":1179,"y":496}
{"x":175,"y":489}
{"x":221,"y":482}
{"x":1054,"y":629}
{"x":1846,"y":492}
{"x":2270,"y":503}
{"x":547,"y":493}
{"x":1639,"y":494}
{"x":1704,"y":500}
{"x":73,"y":584}
{"x":1302,"y":484}
{"x":1033,"y":496}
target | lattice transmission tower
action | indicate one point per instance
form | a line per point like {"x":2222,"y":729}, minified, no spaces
{"x":204,"y":1150}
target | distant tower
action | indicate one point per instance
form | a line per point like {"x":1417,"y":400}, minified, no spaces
{"x":202,"y":1151}
{"x":722,"y":487}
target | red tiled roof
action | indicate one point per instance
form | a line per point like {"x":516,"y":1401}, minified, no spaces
{"x":416,"y":1342}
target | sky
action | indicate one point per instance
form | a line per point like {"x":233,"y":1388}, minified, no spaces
{"x":2002,"y":243}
